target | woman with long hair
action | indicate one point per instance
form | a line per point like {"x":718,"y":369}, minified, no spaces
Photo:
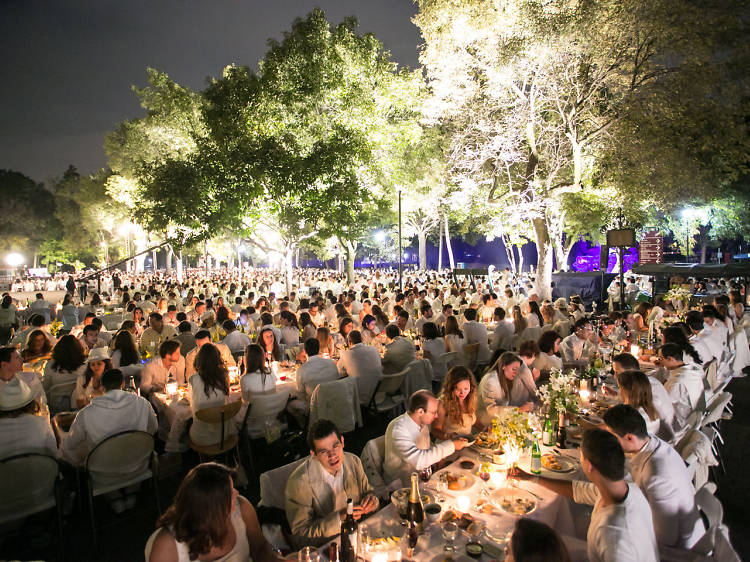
{"x":533,"y":541}
{"x":676,"y":334}
{"x":326,"y":342}
{"x":519,"y":321}
{"x":257,"y":377}
{"x":267,"y":341}
{"x":124,"y":351}
{"x":504,"y":387}
{"x":635,"y":390}
{"x":38,"y":346}
{"x":209,"y":520}
{"x":309,"y":328}
{"x":549,"y":349}
{"x":209,"y":386}
{"x":68,"y":361}
{"x":454,"y":337}
{"x":434,"y":346}
{"x":457,"y":405}
{"x":381,"y":320}
{"x":289,"y":329}
{"x":89,"y":384}
{"x":369,"y":329}
{"x":346,"y":325}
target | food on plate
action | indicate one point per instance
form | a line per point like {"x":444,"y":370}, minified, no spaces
{"x":485,"y":506}
{"x":487,"y":440}
{"x":450,"y":515}
{"x":475,"y":528}
{"x":551,"y":462}
{"x":454,"y":481}
{"x":517,"y":505}
{"x":465,"y":521}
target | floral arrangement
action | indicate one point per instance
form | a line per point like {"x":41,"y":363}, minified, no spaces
{"x":559,"y":395}
{"x":677,"y":293}
{"x":513,"y":428}
{"x":55,"y":327}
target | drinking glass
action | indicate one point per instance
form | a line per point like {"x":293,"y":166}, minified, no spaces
{"x":441,"y":486}
{"x":364,"y":539}
{"x":450,"y":532}
{"x":425,"y":473}
{"x":308,"y":554}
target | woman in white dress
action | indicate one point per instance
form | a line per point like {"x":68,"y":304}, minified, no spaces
{"x":209,"y":520}
{"x":209,"y":387}
{"x":434,"y":346}
{"x":635,"y":390}
{"x":67,"y":363}
{"x":549,"y":347}
{"x":258,"y":377}
{"x":454,"y":337}
{"x":88,"y":384}
{"x":289,"y":329}
{"x":457,"y":405}
{"x":504,"y":386}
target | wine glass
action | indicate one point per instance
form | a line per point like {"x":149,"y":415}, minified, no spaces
{"x":441,"y":486}
{"x":425,"y":473}
{"x":450,"y":532}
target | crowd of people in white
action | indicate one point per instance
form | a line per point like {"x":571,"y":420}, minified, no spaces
{"x":488,"y":344}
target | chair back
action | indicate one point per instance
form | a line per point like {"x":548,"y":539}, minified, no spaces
{"x":220,"y":415}
{"x":417,"y":377}
{"x":716,"y":407}
{"x":372,"y":461}
{"x":710,"y":369}
{"x":471,"y":352}
{"x":120,"y":457}
{"x":391,"y":384}
{"x":273,"y":484}
{"x":449,"y":358}
{"x":337,"y":401}
{"x":709,"y":505}
{"x":262,"y":407}
{"x":530,"y":333}
{"x":58,"y":397}
{"x":27,"y":484}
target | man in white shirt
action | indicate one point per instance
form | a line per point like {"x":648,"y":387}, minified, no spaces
{"x":156,"y":333}
{"x":502,"y":339}
{"x":476,"y":332}
{"x":621,"y":527}
{"x":577,"y":347}
{"x":113,"y":412}
{"x":701,"y":339}
{"x":42,"y":306}
{"x":90,"y":338}
{"x":407,"y":440}
{"x":399,"y":352}
{"x":363,"y":363}
{"x":202,"y":337}
{"x":235,"y":340}
{"x":447,"y":311}
{"x":11,"y":366}
{"x":314,"y":371}
{"x":318,"y":489}
{"x":662,"y":476}
{"x":684,"y":385}
{"x":426,"y":316}
{"x":158,"y":371}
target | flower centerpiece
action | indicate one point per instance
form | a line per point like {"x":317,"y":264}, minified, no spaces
{"x":559,"y":394}
{"x":679,"y":297}
{"x":55,"y":327}
{"x":512,"y":429}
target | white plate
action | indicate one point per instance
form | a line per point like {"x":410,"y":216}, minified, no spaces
{"x":515,"y":501}
{"x":466,"y":480}
{"x":568,"y":464}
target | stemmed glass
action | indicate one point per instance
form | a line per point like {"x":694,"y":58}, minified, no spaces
{"x":450,"y":532}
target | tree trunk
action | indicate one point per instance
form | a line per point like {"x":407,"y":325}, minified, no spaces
{"x":179,"y":267}
{"x":448,"y":244}
{"x":288,"y":263}
{"x":170,"y":256}
{"x":544,"y":258}
{"x":351,"y":251}
{"x":519,"y":260}
{"x":704,"y":247}
{"x":153,"y":260}
{"x":422,"y":237}
{"x":509,"y":252}
{"x":205,"y":256}
{"x":440,"y":248}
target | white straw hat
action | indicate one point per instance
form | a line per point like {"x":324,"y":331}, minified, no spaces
{"x":16,"y":394}
{"x":98,"y":354}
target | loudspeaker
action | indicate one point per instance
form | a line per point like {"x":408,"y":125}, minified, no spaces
{"x":603,"y":258}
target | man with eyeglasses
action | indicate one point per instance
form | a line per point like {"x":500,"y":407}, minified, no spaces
{"x":407,"y":440}
{"x":317,"y":490}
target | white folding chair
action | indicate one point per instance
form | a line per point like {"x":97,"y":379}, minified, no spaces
{"x":337,"y":401}
{"x":118,"y":461}
{"x":30,"y":483}
{"x":262,"y":407}
{"x":222,"y":417}
{"x":388,"y":394}
{"x":372,"y":461}
{"x":58,"y":397}
{"x":273,"y":484}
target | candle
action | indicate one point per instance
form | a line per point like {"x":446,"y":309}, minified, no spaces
{"x":497,"y":478}
{"x":585,"y":395}
{"x":171,"y":388}
{"x":380,"y":557}
{"x":635,"y":350}
{"x":463,"y":503}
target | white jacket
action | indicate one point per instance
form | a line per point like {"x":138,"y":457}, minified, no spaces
{"x":363,"y":363}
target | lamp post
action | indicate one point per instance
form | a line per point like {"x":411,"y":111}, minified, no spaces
{"x":687,"y":214}
{"x":400,"y":251}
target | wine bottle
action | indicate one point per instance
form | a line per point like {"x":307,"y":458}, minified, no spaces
{"x":561,"y":432}
{"x":349,"y":535}
{"x":536,"y":458}
{"x":548,"y":436}
{"x":415,"y":510}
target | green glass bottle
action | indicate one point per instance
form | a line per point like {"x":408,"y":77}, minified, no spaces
{"x":536,"y":458}
{"x":548,"y":435}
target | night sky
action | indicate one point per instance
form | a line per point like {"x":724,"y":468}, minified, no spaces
{"x":67,"y":65}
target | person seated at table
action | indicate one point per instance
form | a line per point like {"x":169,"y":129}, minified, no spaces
{"x":549,"y":346}
{"x":425,"y":315}
{"x":270,"y":344}
{"x":577,"y":347}
{"x":209,"y":387}
{"x":289,"y":328}
{"x":88,"y":384}
{"x":662,"y":402}
{"x":700,"y":339}
{"x":38,"y":346}
{"x":258,"y":377}
{"x":433,"y":346}
{"x":185,"y":337}
{"x":662,"y":476}
{"x":678,"y":334}
{"x":341,"y":339}
{"x":209,"y":520}
{"x":24,"y":424}
{"x":68,"y":361}
{"x":157,"y":333}
{"x":169,"y":364}
{"x":684,"y":385}
{"x":318,"y":489}
{"x":202,"y":337}
{"x":457,"y":405}
{"x":266,"y":323}
{"x":399,"y":352}
{"x":113,"y":412}
{"x":90,"y":338}
{"x":505,"y":386}
{"x":502,"y":337}
{"x":235,"y":340}
{"x":11,"y":366}
{"x":308,"y":328}
{"x":528,"y":351}
{"x":369,"y":330}
{"x":635,"y":390}
{"x":363,"y":363}
{"x":312,"y":372}
{"x":407,"y":439}
{"x":533,"y":541}
{"x":621,"y":527}
{"x":476,"y":332}
{"x":36,"y":322}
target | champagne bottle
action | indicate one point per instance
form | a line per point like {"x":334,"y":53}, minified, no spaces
{"x":536,"y":458}
{"x":548,"y":437}
{"x":349,"y":535}
{"x":561,"y":431}
{"x":415,"y":510}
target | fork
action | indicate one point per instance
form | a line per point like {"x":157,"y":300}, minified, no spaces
{"x":541,"y":499}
